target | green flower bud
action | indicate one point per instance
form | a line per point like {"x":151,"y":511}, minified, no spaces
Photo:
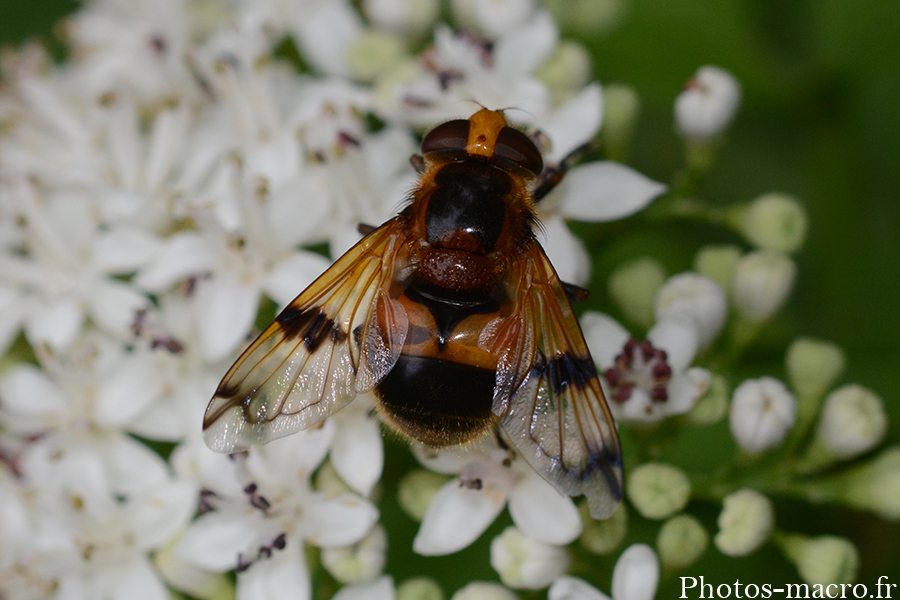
{"x":745,"y":523}
{"x":823,"y":560}
{"x":852,"y":422}
{"x":761,"y":284}
{"x":602,"y":537}
{"x":373,"y":53}
{"x":681,"y":541}
{"x":633,"y":286}
{"x":523,"y":563}
{"x":712,"y":406}
{"x":813,"y":366}
{"x":483,"y":590}
{"x":588,"y":17}
{"x":874,"y":486}
{"x":621,"y":109}
{"x":718,"y":263}
{"x":420,"y":588}
{"x":775,"y":222}
{"x":566,"y":71}
{"x":658,"y":490}
{"x":327,"y":480}
{"x":363,"y":561}
{"x":417,"y":489}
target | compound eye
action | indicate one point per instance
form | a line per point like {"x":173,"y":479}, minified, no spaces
{"x":452,"y":135}
{"x":516,"y":147}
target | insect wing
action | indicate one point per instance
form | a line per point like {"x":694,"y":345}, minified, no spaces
{"x":338,"y":337}
{"x":548,"y":392}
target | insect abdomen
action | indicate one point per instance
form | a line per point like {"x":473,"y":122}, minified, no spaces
{"x":438,"y":402}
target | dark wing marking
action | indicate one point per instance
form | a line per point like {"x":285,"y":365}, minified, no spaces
{"x":338,"y":337}
{"x":548,"y":394}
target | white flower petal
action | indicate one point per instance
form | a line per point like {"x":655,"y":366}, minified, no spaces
{"x":224,"y":314}
{"x":358,"y":452}
{"x":573,"y":588}
{"x":26,"y":390}
{"x":636,"y":574}
{"x":605,"y":191}
{"x":138,"y":581}
{"x":325,"y":35}
{"x":380,"y":589}
{"x":678,"y":339}
{"x":455,"y":518}
{"x":565,"y":251}
{"x":542,"y":513}
{"x":292,"y":275}
{"x":283,"y":576}
{"x":183,"y":255}
{"x":163,"y":512}
{"x":124,"y":249}
{"x":113,"y":306}
{"x":338,"y":521}
{"x":215,"y":539}
{"x":55,"y":324}
{"x":521,"y":52}
{"x":604,"y":336}
{"x":573,"y":123}
{"x":124,"y":393}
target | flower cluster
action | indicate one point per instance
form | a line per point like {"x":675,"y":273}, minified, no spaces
{"x":191,"y":166}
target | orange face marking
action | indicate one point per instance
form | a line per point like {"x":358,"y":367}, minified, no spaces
{"x":484,"y":127}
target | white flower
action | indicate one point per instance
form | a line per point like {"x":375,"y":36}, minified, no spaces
{"x":380,"y":589}
{"x":647,"y":381}
{"x":524,"y":563}
{"x":708,"y":104}
{"x":635,"y":577}
{"x":413,"y":17}
{"x":361,"y":562}
{"x":464,"y":507}
{"x":69,"y":273}
{"x":261,"y":519}
{"x":494,"y":18}
{"x":762,"y":413}
{"x":695,"y":300}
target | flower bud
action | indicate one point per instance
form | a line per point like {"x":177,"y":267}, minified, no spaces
{"x":718,"y":263}
{"x":762,"y":412}
{"x":762,"y":282}
{"x":695,"y":300}
{"x":823,"y":560}
{"x":774,"y":221}
{"x":634,"y":285}
{"x":524,"y":563}
{"x":419,"y":588}
{"x":852,"y":422}
{"x":483,"y":590}
{"x":712,"y":405}
{"x":658,"y":490}
{"x":621,"y":109}
{"x":363,"y":561}
{"x":602,"y":537}
{"x":708,"y":104}
{"x":566,"y":71}
{"x":636,"y":573}
{"x":681,"y":541}
{"x":875,"y":486}
{"x":372,"y":53}
{"x":587,"y":17}
{"x":410,"y":17}
{"x":417,"y":489}
{"x":745,"y":523}
{"x":813,"y":366}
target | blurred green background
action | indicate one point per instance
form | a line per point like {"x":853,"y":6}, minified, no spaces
{"x":821,"y":120}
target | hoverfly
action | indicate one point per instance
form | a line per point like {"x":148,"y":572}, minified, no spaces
{"x":452,"y":314}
